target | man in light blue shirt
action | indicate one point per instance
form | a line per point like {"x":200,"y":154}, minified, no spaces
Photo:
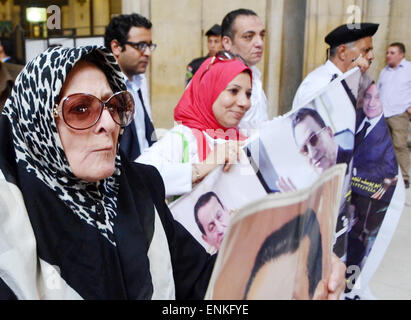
{"x":129,"y":39}
{"x":394,"y":85}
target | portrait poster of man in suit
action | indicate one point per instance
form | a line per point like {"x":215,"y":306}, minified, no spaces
{"x":375,"y":175}
{"x":207,"y":210}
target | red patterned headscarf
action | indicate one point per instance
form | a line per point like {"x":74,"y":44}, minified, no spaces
{"x":195,"y":108}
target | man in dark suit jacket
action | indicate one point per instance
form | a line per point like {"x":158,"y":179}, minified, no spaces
{"x":374,"y":157}
{"x":375,"y":171}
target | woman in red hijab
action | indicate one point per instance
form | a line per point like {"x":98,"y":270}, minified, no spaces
{"x":207,"y":133}
{"x":208,"y":114}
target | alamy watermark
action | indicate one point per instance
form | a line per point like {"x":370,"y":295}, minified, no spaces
{"x":354,"y":279}
{"x":354,"y":19}
{"x":54,"y":20}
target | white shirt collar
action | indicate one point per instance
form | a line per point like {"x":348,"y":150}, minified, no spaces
{"x":401,"y":64}
{"x":373,"y":122}
{"x":332,"y":68}
{"x":135,"y":81}
{"x":256,"y":72}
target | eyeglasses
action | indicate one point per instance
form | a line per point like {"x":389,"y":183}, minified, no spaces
{"x":81,"y":111}
{"x":142,"y":46}
{"x":224,"y":55}
{"x":312,"y":140}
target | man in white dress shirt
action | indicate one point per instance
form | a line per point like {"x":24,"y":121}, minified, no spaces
{"x":129,"y":39}
{"x":243,"y":34}
{"x":394,"y":85}
{"x":349,"y":47}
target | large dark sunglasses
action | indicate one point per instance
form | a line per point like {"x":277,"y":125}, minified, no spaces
{"x":82,"y":111}
{"x":312,"y":140}
{"x":142,"y":46}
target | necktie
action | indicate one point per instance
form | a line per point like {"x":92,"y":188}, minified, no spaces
{"x":150,"y":134}
{"x":359,"y":137}
{"x":129,"y":142}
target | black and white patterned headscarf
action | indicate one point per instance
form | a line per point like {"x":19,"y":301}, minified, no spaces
{"x":36,"y":140}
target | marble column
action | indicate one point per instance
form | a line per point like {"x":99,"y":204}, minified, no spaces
{"x":379,"y":11}
{"x":292,"y":52}
{"x":273,"y":55}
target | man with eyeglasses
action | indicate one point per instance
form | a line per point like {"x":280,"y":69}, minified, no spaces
{"x":129,"y":39}
{"x":316,"y":141}
{"x":243,"y":34}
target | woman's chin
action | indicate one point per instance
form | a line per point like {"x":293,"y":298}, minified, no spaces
{"x":97,"y":174}
{"x":231,"y":124}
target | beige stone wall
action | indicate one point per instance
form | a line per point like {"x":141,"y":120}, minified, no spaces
{"x":273,"y":55}
{"x":101,"y":15}
{"x":400,"y":26}
{"x":173,"y":34}
{"x":79,"y":14}
{"x":378,"y":11}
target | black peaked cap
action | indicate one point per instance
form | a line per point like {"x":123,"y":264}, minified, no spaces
{"x":349,"y":33}
{"x":215,"y":30}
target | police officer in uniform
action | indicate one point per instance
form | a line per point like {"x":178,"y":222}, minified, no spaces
{"x":214,"y":45}
{"x":350,"y":46}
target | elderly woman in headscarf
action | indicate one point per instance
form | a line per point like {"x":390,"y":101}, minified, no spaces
{"x":77,"y":221}
{"x":207,"y":133}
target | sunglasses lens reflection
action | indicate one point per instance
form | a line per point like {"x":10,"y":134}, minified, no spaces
{"x":313,"y":140}
{"x":82,"y":111}
{"x":121,"y":107}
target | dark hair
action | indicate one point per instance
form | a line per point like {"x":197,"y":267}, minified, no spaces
{"x":303,"y":113}
{"x":7,"y":45}
{"x":399,"y":45}
{"x":287,"y":239}
{"x":203,"y":200}
{"x":120,"y":26}
{"x":227,"y":28}
{"x":333,"y":51}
